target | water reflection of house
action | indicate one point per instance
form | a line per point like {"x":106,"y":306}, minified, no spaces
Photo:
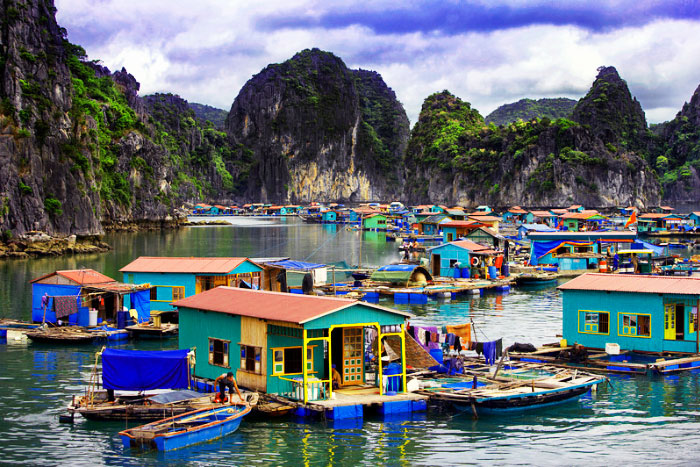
{"x":173,"y":278}
{"x":91,"y":290}
{"x":279,"y":343}
{"x":645,"y":313}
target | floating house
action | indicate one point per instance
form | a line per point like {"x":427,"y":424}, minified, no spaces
{"x":486,"y":236}
{"x":575,"y":208}
{"x":286,"y":344}
{"x":573,"y":251}
{"x":516,"y":215}
{"x":546,"y":217}
{"x":657,"y":222}
{"x":173,"y":278}
{"x":374,"y":222}
{"x":287,"y":275}
{"x":484,"y":209}
{"x":582,"y":221}
{"x":82,"y":291}
{"x":462,"y":254}
{"x":491,"y":222}
{"x":452,"y":230}
{"x":643,"y":313}
{"x":431,"y":225}
{"x":525,"y":229}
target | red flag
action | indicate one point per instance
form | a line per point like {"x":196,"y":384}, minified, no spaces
{"x":632,"y":219}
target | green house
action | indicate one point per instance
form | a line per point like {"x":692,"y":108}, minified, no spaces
{"x":374,"y":222}
{"x":286,"y":344}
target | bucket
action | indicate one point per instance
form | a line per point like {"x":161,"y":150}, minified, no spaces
{"x":465,"y":273}
{"x":493,"y":273}
{"x":122,"y":317}
{"x":437,"y":355}
{"x":92,"y":317}
{"x":612,"y":348}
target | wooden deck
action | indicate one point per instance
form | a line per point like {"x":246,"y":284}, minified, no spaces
{"x":365,"y":397}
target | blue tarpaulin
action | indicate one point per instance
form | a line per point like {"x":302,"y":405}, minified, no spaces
{"x":540,"y":249}
{"x":642,"y":245}
{"x":140,"y":370}
{"x":53,"y":290}
{"x":291,"y":264}
{"x":398,"y":267}
{"x":141,"y":302}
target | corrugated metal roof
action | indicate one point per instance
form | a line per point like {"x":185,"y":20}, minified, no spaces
{"x":461,"y":224}
{"x":469,"y":245}
{"x":634,"y":284}
{"x":80,"y":276}
{"x":485,"y":218}
{"x":183,"y":265}
{"x":292,"y":308}
{"x":654,"y":215}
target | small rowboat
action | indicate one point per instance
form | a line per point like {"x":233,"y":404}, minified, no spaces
{"x":520,"y":395}
{"x":190,"y":428}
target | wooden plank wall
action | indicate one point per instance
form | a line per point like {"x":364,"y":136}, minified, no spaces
{"x":254,"y":332}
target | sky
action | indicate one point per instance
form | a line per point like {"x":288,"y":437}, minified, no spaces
{"x":486,"y":52}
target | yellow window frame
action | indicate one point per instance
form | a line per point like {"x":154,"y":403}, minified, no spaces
{"x":590,"y":330}
{"x":172,"y":288}
{"x":627,"y":328}
{"x":277,"y":364}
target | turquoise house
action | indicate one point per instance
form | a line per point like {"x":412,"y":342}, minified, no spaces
{"x":431,"y":224}
{"x":445,"y":258}
{"x":174,"y":278}
{"x":375,"y":222}
{"x":286,"y":344}
{"x":574,"y":250}
{"x":329,"y":216}
{"x":644,"y":313}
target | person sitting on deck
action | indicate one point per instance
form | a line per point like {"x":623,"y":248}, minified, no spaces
{"x":226,"y":381}
{"x":337,"y":379}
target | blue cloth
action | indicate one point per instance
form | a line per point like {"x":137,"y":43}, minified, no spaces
{"x":539,"y":249}
{"x":490,"y":352}
{"x":141,"y":302}
{"x":53,"y":290}
{"x":140,"y":370}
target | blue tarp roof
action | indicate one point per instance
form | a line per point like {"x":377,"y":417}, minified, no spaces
{"x":398,"y":267}
{"x":642,"y":245}
{"x":140,"y":370}
{"x":291,"y":264}
{"x":537,"y":227}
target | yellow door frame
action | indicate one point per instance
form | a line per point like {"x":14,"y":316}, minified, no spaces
{"x":401,"y":335}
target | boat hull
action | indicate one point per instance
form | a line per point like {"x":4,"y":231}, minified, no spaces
{"x":519,"y":404}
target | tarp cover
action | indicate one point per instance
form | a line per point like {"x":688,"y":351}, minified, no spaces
{"x":139,"y":370}
{"x":175,"y":396}
{"x":291,"y":264}
{"x":398,"y":273}
{"x":141,"y":302}
{"x":540,"y":249}
{"x":642,"y":245}
{"x":53,"y":290}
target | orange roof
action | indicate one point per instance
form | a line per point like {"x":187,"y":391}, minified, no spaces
{"x":462,"y":224}
{"x":580,"y":215}
{"x":485,"y":218}
{"x":574,"y":206}
{"x":634,"y":283}
{"x":517,"y":210}
{"x":542,"y":213}
{"x":183,"y":265}
{"x":653,"y":215}
{"x":80,"y":276}
{"x":292,"y":308}
{"x":558,"y":211}
{"x":469,"y":245}
{"x":667,"y":208}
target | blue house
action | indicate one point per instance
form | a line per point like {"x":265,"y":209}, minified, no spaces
{"x":462,"y":254}
{"x":524,"y":229}
{"x":85,"y":290}
{"x":574,"y":250}
{"x":286,"y":344}
{"x":644,"y":313}
{"x":329,"y":216}
{"x":173,"y":278}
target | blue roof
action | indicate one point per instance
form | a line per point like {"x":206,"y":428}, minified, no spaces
{"x":398,"y":267}
{"x":291,"y":264}
{"x":537,"y":227}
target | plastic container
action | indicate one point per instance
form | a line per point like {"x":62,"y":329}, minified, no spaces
{"x":612,"y":348}
{"x":465,"y":273}
{"x":92,"y":317}
{"x":562,"y":343}
{"x":493,"y":273}
{"x":122,"y":317}
{"x":506,"y":270}
{"x":456,"y":273}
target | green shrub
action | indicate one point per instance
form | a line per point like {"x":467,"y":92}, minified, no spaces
{"x":25,"y":189}
{"x":53,"y":206}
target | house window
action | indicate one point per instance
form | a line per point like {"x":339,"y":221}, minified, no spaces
{"x":450,"y":237}
{"x":218,"y":352}
{"x":692,"y":319}
{"x":594,"y":322}
{"x":178,"y":293}
{"x":633,"y":325}
{"x":250,"y":359}
{"x":453,"y":263}
{"x":287,"y":361}
{"x":154,"y":294}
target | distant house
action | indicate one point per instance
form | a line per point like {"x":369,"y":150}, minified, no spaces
{"x":574,"y":250}
{"x":491,"y":222}
{"x":88,"y":289}
{"x":484,"y":209}
{"x":452,"y":230}
{"x":173,"y":278}
{"x":486,"y":236}
{"x":544,"y":217}
{"x":644,"y":313}
{"x":285,"y":344}
{"x":575,"y":208}
{"x":656,"y":222}
{"x":374,"y":222}
{"x":525,"y":229}
{"x":445,"y":258}
{"x":578,"y":221}
{"x":329,"y":216}
{"x":515,"y":215}
{"x":431,"y":225}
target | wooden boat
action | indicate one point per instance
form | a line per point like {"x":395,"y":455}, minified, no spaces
{"x":63,"y":335}
{"x":187,"y":429}
{"x":520,"y":395}
{"x":153,"y":331}
{"x":97,"y":406}
{"x":540,"y":278}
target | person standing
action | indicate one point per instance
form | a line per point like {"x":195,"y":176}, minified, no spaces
{"x":224,"y":381}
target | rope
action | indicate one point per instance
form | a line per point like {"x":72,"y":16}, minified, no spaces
{"x":324,"y":244}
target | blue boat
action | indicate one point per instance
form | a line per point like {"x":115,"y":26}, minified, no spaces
{"x":184,"y":430}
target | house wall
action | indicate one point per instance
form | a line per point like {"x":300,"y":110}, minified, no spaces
{"x":356,"y":314}
{"x":617,"y":304}
{"x":197,"y":326}
{"x":450,"y":252}
{"x":253,"y":332}
{"x":166,"y":279}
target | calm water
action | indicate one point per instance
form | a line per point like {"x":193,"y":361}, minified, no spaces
{"x":639,"y":420}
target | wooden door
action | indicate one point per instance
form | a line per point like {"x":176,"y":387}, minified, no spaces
{"x":670,"y":322}
{"x":436,"y":265}
{"x":352,"y":356}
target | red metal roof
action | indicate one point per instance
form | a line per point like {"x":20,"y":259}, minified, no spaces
{"x":80,"y":276}
{"x":183,"y":265}
{"x":517,"y":210}
{"x":469,"y":245}
{"x":634,"y":284}
{"x":292,"y":308}
{"x":485,"y":218}
{"x":462,"y":224}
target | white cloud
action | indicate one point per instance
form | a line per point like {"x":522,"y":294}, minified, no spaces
{"x":206,"y":51}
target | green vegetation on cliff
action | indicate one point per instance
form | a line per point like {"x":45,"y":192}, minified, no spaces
{"x":528,"y":109}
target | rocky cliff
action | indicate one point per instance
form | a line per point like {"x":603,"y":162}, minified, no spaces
{"x":453,"y":156}
{"x":319,"y":131}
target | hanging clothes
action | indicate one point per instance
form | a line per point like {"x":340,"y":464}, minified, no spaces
{"x":432,"y":344}
{"x":461,"y":330}
{"x":65,"y":305}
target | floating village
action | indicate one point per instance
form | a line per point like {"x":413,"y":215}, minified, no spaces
{"x":280,"y":337}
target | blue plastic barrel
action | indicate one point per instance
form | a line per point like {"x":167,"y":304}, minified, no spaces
{"x":456,"y":273}
{"x":83,"y":316}
{"x":122,"y":317}
{"x":506,"y":269}
{"x":493,"y":272}
{"x":465,"y":273}
{"x":393,"y":373}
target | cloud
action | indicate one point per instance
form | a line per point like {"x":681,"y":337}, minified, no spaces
{"x":486,"y":55}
